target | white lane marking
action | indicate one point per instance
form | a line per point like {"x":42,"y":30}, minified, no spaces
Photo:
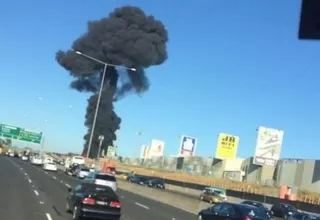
{"x":48,"y":216}
{"x":36,"y":192}
{"x":41,"y":202}
{"x":54,"y":177}
{"x":61,"y":181}
{"x":25,"y":174}
{"x":46,"y":172}
{"x":29,"y":180}
{"x":122,"y":197}
{"x":141,"y":205}
{"x":67,"y":185}
{"x":33,"y":186}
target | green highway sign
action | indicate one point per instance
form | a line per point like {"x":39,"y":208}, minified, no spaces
{"x":21,"y":134}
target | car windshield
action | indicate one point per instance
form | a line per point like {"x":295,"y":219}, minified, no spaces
{"x":218,"y":192}
{"x":254,"y":212}
{"x":51,"y":163}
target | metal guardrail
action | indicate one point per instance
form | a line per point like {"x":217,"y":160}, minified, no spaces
{"x":239,"y":194}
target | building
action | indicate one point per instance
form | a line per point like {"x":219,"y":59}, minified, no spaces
{"x":303,"y":174}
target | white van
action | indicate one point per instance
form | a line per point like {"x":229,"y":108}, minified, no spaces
{"x":77,"y":160}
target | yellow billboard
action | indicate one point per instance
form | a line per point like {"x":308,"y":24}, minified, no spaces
{"x":227,"y":146}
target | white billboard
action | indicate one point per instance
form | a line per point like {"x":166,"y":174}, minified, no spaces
{"x":156,"y":148}
{"x":268,"y":148}
{"x":144,"y":151}
{"x":187,"y":146}
{"x":111,"y":152}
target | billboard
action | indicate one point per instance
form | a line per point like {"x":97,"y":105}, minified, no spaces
{"x":144,"y":151}
{"x":156,"y":149}
{"x":111,"y":152}
{"x":227,"y":146}
{"x":268,"y":148}
{"x":187,"y":146}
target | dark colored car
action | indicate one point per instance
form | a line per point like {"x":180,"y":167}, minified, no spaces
{"x":156,"y":183}
{"x":137,"y":179}
{"x":88,"y":200}
{"x":258,"y":205}
{"x":232,"y":211}
{"x":300,"y":216}
{"x":71,"y":170}
{"x":283,"y":210}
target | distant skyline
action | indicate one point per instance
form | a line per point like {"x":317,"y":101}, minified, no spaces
{"x":233,"y":66}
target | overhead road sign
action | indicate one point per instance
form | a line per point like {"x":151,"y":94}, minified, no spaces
{"x":17,"y":133}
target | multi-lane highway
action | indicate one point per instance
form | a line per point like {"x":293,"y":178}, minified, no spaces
{"x":28,"y":192}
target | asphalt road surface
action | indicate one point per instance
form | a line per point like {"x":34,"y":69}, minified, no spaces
{"x":29,"y":193}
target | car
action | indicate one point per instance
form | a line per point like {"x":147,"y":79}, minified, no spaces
{"x":258,"y":205}
{"x":24,"y":158}
{"x":138,"y":179}
{"x":88,"y":200}
{"x":104,"y":179}
{"x":283,"y":210}
{"x":300,"y":216}
{"x":213,"y":195}
{"x":36,"y":161}
{"x":71,"y":170}
{"x":50,"y":166}
{"x":81,"y":172}
{"x":156,"y":183}
{"x":232,"y":211}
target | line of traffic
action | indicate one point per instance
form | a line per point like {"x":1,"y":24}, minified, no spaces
{"x":129,"y":199}
{"x":34,"y":210}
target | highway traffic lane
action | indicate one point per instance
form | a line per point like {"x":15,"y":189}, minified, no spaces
{"x":159,"y":209}
{"x":131,"y":210}
{"x":50,"y":191}
{"x":18,"y":200}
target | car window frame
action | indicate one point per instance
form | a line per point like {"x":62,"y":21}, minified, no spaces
{"x":230,"y":214}
{"x":212,"y":209}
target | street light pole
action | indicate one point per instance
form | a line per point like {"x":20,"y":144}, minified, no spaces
{"x":100,"y":92}
{"x":96,"y":110}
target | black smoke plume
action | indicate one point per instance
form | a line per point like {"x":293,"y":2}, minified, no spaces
{"x":127,"y":37}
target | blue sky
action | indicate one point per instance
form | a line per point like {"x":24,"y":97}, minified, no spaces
{"x":233,"y":66}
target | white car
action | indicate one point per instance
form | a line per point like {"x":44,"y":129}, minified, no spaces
{"x":104,"y":179}
{"x":50,"y":166}
{"x":36,"y":161}
{"x":82,"y":172}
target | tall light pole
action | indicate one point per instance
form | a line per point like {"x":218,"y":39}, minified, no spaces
{"x":100,"y":92}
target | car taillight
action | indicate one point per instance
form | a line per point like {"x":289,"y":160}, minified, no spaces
{"x":88,"y":201}
{"x":246,"y":218}
{"x":115,"y":204}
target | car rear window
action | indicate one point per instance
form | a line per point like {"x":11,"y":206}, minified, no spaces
{"x":106,"y":177}
{"x":85,"y":169}
{"x":106,"y":191}
{"x":51,"y":163}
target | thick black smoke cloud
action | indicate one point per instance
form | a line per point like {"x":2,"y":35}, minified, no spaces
{"x":127,"y":37}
